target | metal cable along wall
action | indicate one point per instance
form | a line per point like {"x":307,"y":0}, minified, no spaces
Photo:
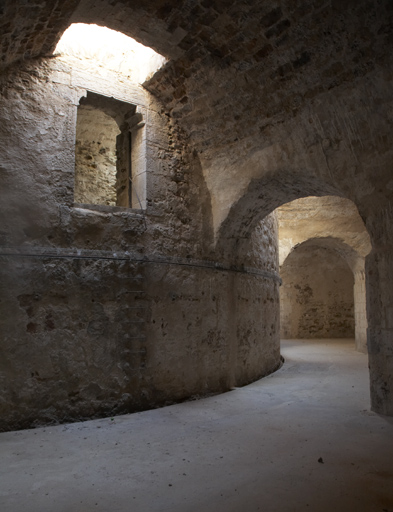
{"x":43,"y":253}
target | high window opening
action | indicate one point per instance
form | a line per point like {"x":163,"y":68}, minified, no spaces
{"x":108,"y":68}
{"x":105,"y":51}
{"x":109,"y":163}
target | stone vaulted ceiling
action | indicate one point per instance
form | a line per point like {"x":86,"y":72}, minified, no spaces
{"x":264,"y":58}
{"x":240,"y":72}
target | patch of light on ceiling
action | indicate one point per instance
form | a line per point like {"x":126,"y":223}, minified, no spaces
{"x":106,"y":48}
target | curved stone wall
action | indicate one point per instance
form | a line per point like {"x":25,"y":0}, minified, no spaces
{"x":107,"y":309}
{"x":89,"y":335}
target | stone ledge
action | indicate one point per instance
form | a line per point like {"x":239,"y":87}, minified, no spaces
{"x":103,"y":208}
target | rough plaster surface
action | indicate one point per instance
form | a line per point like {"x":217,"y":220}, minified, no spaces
{"x":316,"y":295}
{"x":277,"y":101}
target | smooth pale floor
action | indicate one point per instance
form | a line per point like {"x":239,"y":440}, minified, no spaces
{"x":253,"y":448}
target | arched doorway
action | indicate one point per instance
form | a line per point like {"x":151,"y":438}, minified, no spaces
{"x":323,"y":243}
{"x":262,"y":197}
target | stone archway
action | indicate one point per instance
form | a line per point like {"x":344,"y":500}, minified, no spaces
{"x":334,"y":224}
{"x":266,"y":194}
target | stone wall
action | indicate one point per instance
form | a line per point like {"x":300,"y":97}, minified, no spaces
{"x":379,"y":269}
{"x":107,"y":309}
{"x":360,"y":310}
{"x":278,"y":102}
{"x":316,"y":295}
{"x":95,"y":157}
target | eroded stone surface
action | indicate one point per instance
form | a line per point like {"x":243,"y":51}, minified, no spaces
{"x":95,"y":157}
{"x":316,"y":298}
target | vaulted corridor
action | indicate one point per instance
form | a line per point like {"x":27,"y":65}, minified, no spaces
{"x":183,"y":187}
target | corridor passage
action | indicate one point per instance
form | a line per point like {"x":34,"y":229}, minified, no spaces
{"x":300,"y":439}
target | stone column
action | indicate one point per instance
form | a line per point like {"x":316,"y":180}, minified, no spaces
{"x":359,"y":298}
{"x":379,"y":280}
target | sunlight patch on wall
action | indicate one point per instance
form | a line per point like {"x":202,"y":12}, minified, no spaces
{"x":107,"y":49}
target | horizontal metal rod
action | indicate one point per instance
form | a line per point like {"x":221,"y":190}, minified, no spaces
{"x":44,"y":253}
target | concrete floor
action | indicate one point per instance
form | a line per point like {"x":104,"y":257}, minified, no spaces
{"x":301,"y":439}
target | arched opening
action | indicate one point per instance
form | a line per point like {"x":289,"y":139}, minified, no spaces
{"x":315,"y":223}
{"x":101,"y":50}
{"x":321,"y":239}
